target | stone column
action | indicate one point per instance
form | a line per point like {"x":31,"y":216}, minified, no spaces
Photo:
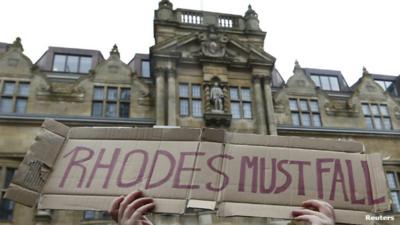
{"x":260,"y":114}
{"x":171,"y":97}
{"x":160,"y":96}
{"x":272,"y":129}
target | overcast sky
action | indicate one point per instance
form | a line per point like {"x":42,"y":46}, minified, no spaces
{"x":329,"y":34}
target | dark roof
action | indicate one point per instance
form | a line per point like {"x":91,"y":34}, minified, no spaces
{"x":45,"y":62}
{"x":277,"y":80}
{"x":136,"y":65}
{"x":394,"y":88}
{"x":383,"y":77}
{"x":3,"y":47}
{"x":342,"y":82}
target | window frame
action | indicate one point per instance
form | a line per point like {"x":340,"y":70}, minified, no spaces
{"x":310,"y":112}
{"x":372,"y":116}
{"x":97,"y":215}
{"x":241,"y":101}
{"x":3,"y":188}
{"x":141,"y":68}
{"x":105,"y":101}
{"x":15,"y":96}
{"x":190,"y":99}
{"x":66,"y":60}
{"x":393,"y":167}
{"x":329,"y":81}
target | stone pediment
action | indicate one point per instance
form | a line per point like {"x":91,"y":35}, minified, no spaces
{"x":368,"y":90}
{"x":15,"y":63}
{"x":214,"y":46}
{"x":113,"y":70}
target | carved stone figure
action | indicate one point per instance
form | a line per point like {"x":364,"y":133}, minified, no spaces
{"x":217,"y":96}
{"x":213,"y":45}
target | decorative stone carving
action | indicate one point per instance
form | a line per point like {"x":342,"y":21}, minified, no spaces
{"x":114,"y":51}
{"x":213,"y":44}
{"x":251,"y":17}
{"x":165,"y":4}
{"x":17,"y":44}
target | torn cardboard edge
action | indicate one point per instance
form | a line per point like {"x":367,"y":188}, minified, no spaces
{"x":33,"y":171}
{"x":42,"y":155}
{"x":228,"y":209}
{"x":176,"y":206}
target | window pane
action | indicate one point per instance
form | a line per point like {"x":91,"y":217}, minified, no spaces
{"x":368,"y":122}
{"x":9,"y":88}
{"x":196,"y":108}
{"x":183,"y":90}
{"x":316,"y":119}
{"x":112,"y":93}
{"x":334,"y":83}
{"x":125,"y":94}
{"x":387,"y":124}
{"x":6,"y":209}
{"x":72,"y":64}
{"x":388,"y":84}
{"x":111,"y":110}
{"x":391,"y":179}
{"x":9,"y":174}
{"x":235,"y":110}
{"x":365,"y":109}
{"x":234,"y":93}
{"x":316,"y":80}
{"x":246,"y":96}
{"x":247,"y":110}
{"x":381,"y":83}
{"x":20,"y":106}
{"x":124,"y":110}
{"x":184,"y":107}
{"x":89,"y":214}
{"x":97,"y":109}
{"x":303,"y":105}
{"x":98,"y":93}
{"x":145,"y":68}
{"x":314,"y":106}
{"x":196,"y":91}
{"x":23,"y":89}
{"x":59,"y":63}
{"x":85,"y":65}
{"x":378,"y":123}
{"x":325,"y":83}
{"x":305,"y":120}
{"x":293,"y":105}
{"x":6,"y":105}
{"x":296,"y":119}
{"x":384,"y":110}
{"x":396,"y":201}
{"x":374,"y":109}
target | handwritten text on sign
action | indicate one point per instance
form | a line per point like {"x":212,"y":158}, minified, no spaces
{"x":269,"y":172}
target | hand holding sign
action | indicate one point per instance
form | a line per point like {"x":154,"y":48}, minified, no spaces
{"x":130,"y":210}
{"x":315,"y":212}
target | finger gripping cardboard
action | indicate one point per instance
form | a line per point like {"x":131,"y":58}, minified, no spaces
{"x":85,"y":168}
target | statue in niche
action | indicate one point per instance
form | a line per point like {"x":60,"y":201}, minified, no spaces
{"x":216,"y":97}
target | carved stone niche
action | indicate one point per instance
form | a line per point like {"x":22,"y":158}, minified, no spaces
{"x":217,"y":104}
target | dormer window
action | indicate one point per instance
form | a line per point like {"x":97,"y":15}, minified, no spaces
{"x":72,"y":63}
{"x":326,"y":82}
{"x":145,"y":68}
{"x":385,"y":84}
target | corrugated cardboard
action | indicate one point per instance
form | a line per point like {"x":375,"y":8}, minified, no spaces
{"x":237,"y":174}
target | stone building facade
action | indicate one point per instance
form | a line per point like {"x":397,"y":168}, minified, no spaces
{"x":205,"y":69}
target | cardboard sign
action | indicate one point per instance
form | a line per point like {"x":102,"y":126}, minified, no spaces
{"x":238,"y":174}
